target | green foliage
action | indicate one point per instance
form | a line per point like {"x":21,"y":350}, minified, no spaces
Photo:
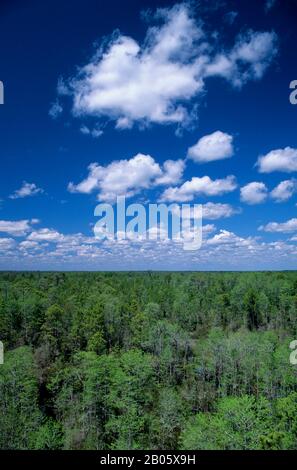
{"x":238,"y":423}
{"x":130,"y":399}
{"x":169,"y":419}
{"x":49,"y":436}
{"x":20,"y":415}
{"x":148,"y":360}
{"x":97,"y":343}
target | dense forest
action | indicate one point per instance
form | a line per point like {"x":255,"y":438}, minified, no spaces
{"x":148,"y":360}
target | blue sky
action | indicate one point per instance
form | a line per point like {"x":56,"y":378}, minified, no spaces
{"x":167,"y":101}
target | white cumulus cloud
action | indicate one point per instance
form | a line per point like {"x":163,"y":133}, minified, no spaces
{"x":284,"y":190}
{"x":155,"y":81}
{"x":128,"y":177}
{"x":254,"y":193}
{"x":7,"y":244}
{"x":27,"y":189}
{"x":283,"y":227}
{"x":203,"y":186}
{"x":172,"y":172}
{"x":45,"y":235}
{"x":227,"y":237}
{"x":278,"y":160}
{"x":17,"y":228}
{"x":213,"y":211}
{"x":215,"y":146}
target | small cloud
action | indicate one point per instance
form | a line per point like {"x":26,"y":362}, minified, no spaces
{"x":17,"y":228}
{"x":215,"y":146}
{"x":28,"y":245}
{"x":284,"y":190}
{"x":85,"y":130}
{"x":225,"y":237}
{"x":254,"y":193}
{"x":213,"y":211}
{"x":27,"y":190}
{"x":284,"y":227}
{"x":203,"y":186}
{"x":7,"y":244}
{"x":55,"y":110}
{"x":124,"y":123}
{"x":172,"y":172}
{"x":284,"y":160}
{"x":128,"y":177}
{"x":62,"y":88}
{"x":45,"y":235}
{"x":95,"y":132}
